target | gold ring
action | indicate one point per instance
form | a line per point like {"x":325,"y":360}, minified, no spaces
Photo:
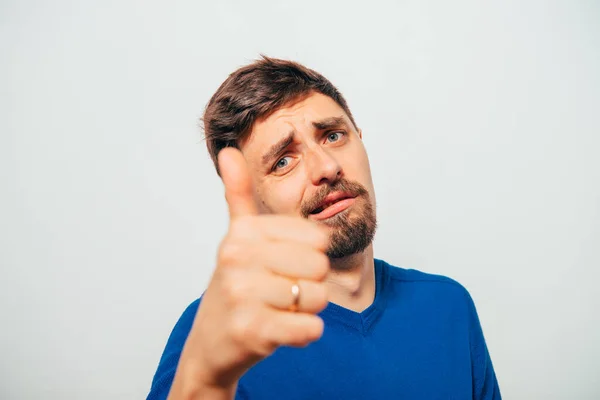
{"x":296,"y":296}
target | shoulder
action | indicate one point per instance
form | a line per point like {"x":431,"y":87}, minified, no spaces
{"x":433,"y":286}
{"x":399,"y":274}
{"x":182,"y":328}
{"x":167,"y":366}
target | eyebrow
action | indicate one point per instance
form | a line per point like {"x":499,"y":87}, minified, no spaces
{"x":278,"y":147}
{"x":328,"y":123}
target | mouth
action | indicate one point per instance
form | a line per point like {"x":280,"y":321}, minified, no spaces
{"x":333,"y":204}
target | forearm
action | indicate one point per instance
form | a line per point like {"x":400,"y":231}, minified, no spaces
{"x":182,"y":392}
{"x":188,"y":386}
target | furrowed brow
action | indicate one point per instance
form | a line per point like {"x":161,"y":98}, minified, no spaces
{"x":278,"y":148}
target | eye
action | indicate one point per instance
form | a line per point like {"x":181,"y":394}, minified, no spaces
{"x":334,"y":136}
{"x":282,"y":163}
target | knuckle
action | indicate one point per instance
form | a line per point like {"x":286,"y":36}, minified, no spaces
{"x":241,"y":328}
{"x":265,"y":347}
{"x":229,"y":252}
{"x":257,"y":334}
{"x":264,"y":340}
{"x":236,"y":290}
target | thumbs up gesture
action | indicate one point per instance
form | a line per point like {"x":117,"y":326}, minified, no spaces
{"x":265,"y":291}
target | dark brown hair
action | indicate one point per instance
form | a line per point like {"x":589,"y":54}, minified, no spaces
{"x":255,"y":91}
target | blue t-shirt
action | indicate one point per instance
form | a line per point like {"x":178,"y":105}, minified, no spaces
{"x":420,"y":339}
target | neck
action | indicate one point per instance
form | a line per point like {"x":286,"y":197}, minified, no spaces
{"x":351,"y":282}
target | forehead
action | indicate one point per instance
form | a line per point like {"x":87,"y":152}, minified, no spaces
{"x":297,"y":115}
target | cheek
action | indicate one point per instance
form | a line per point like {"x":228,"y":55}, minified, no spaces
{"x":283,"y":197}
{"x":360,"y":170}
{"x":359,"y":167}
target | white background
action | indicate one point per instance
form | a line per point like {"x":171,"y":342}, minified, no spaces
{"x":482,"y":124}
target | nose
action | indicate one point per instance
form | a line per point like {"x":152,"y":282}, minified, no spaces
{"x":322,"y":167}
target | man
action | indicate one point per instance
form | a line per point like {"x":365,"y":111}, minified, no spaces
{"x":297,"y":307}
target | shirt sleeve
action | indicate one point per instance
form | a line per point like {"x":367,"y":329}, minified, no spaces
{"x":485,"y":384}
{"x":163,"y":378}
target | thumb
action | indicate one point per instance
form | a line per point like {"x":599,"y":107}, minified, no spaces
{"x":238,"y":183}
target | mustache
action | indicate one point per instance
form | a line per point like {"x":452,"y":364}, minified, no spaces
{"x":355,"y":189}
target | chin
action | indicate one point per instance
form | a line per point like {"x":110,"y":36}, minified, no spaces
{"x":350,"y":236}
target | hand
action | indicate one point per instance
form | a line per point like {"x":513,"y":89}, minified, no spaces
{"x":245,"y":312}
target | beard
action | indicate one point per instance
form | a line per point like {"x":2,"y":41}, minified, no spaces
{"x":353,"y":229}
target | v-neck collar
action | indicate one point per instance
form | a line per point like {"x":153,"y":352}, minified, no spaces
{"x":362,"y":321}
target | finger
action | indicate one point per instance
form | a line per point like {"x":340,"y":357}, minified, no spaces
{"x":238,"y":183}
{"x":292,"y":261}
{"x":276,"y":291}
{"x":286,"y":328}
{"x":282,"y":228}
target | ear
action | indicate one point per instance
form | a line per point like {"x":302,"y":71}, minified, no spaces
{"x":360,"y":133}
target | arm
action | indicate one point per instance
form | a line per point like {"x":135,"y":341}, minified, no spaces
{"x":485,"y":384}
{"x":246,"y":312}
{"x":170,"y":381}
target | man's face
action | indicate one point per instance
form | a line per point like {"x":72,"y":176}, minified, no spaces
{"x":308,"y":159}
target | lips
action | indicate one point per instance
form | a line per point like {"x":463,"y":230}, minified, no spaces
{"x":332,"y":204}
